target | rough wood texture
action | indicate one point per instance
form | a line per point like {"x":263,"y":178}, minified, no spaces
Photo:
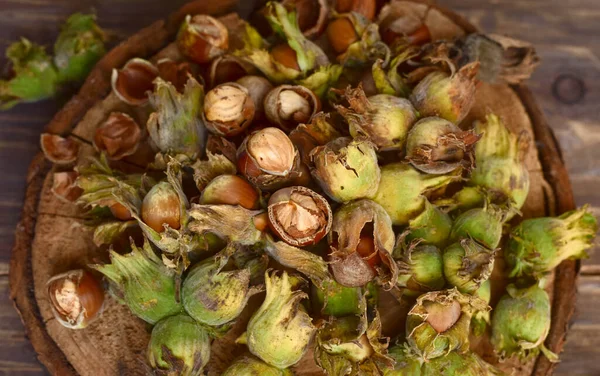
{"x":566,"y":86}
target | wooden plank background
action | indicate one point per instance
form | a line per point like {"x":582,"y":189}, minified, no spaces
{"x":567,"y":85}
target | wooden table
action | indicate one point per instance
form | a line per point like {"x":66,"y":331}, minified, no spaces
{"x":567,"y":86}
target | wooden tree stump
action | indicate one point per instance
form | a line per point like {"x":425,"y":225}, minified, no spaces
{"x":51,"y":237}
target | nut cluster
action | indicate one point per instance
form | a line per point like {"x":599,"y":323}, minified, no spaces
{"x":321,"y":154}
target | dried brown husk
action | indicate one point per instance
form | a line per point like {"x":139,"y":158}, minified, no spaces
{"x":503,"y":59}
{"x":59,"y":150}
{"x":228,"y":68}
{"x":308,"y":136}
{"x":311,"y":15}
{"x":119,"y":136}
{"x":176,"y":73}
{"x":215,"y":165}
{"x":437,"y":146}
{"x":306,"y":262}
{"x":133,"y":82}
{"x":349,"y":268}
{"x":228,"y":222}
{"x":402,"y":24}
{"x":220,"y":145}
{"x":64,"y":186}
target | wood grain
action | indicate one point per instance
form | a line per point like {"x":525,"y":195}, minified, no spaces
{"x":567,"y":42}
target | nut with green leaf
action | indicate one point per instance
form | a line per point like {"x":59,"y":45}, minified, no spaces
{"x":356,"y":40}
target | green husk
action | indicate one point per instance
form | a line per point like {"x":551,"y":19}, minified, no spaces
{"x":467,"y":264}
{"x":449,"y":96}
{"x":432,"y":226}
{"x":175,"y":126}
{"x":214,"y":295}
{"x":499,"y":155}
{"x":99,"y":183}
{"x":333,"y":299}
{"x":401,"y":177}
{"x":353,"y":344}
{"x":178,"y":346}
{"x":481,"y":319}
{"x":437,"y":146}
{"x":35,"y":77}
{"x":483,"y":225}
{"x":321,"y":79}
{"x":538,"y":245}
{"x":227,"y":222}
{"x":109,"y":232}
{"x":303,"y":261}
{"x":346,"y":169}
{"x":147,"y":286}
{"x":520,"y":323}
{"x":384,"y":119}
{"x":78,"y":47}
{"x":407,"y":364}
{"x":457,"y":364}
{"x":251,"y":366}
{"x":390,"y":81}
{"x":420,"y":268}
{"x":429,"y":343}
{"x":280,"y":331}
